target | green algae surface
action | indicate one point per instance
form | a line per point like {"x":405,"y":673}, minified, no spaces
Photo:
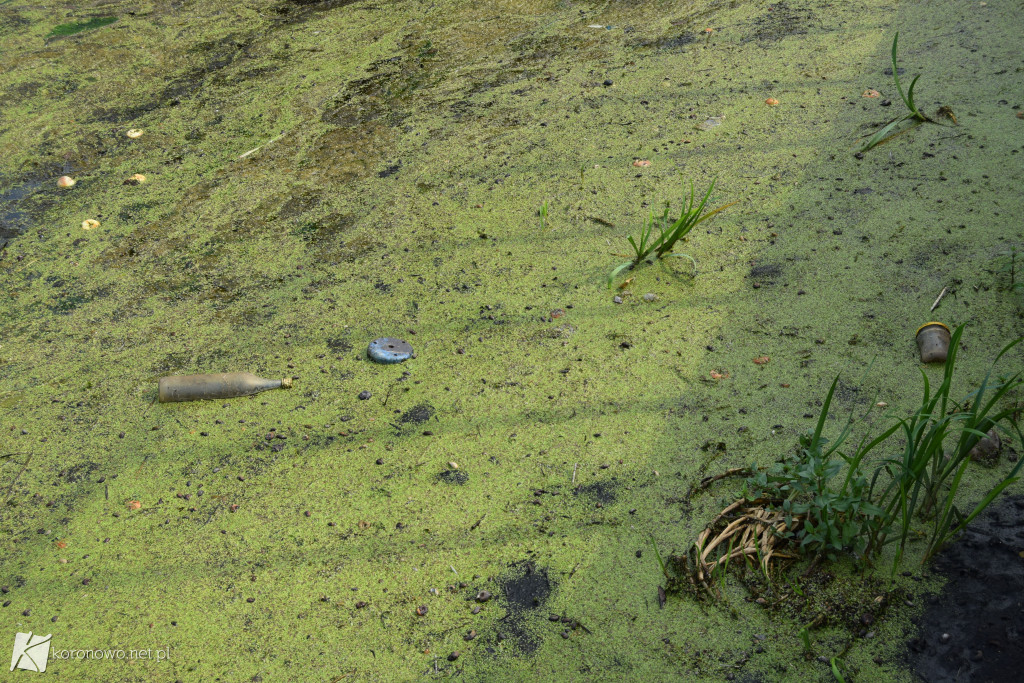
{"x":321,"y":174}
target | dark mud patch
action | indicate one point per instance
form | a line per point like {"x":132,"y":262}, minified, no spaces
{"x":766,"y":274}
{"x":600,"y":492}
{"x":417,"y":414}
{"x":526,"y":591}
{"x":457,"y":477}
{"x":339,"y":345}
{"x":783,"y":19}
{"x":974,"y":629}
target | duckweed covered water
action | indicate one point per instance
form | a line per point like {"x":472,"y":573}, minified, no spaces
{"x":400,"y":155}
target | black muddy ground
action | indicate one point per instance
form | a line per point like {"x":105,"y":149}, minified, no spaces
{"x":974,"y":629}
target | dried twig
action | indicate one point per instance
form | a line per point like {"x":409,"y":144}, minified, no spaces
{"x":938,"y":298}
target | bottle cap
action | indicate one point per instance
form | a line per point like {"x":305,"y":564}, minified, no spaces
{"x":389,"y":350}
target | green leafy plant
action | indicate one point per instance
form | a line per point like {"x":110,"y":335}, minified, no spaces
{"x":670,"y":232}
{"x":908,"y":99}
{"x":661,"y":562}
{"x":829,"y":503}
{"x":924,"y":479}
{"x":805,"y":638}
{"x":543,"y":213}
{"x":836,"y":673}
{"x":836,"y":512}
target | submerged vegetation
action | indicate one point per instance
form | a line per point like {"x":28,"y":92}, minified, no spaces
{"x":669,"y":232}
{"x":79,"y":26}
{"x":824,"y":501}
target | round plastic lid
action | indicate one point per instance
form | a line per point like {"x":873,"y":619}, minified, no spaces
{"x":389,"y":350}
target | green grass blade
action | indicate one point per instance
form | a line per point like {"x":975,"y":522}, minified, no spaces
{"x":618,"y":270}
{"x":910,"y":99}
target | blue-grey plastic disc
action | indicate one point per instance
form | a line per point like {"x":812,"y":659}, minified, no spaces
{"x":389,"y":350}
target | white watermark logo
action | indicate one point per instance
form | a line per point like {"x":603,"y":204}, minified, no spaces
{"x":30,"y":651}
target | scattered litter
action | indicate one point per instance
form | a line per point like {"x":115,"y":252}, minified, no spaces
{"x":933,"y":342}
{"x":90,"y":224}
{"x":710,"y":123}
{"x":650,"y":297}
{"x":65,"y":181}
{"x":389,"y":350}
{"x":134,"y":133}
{"x":772,"y":102}
{"x":219,"y":385}
{"x":256,"y":149}
{"x":136,"y":179}
{"x":987,"y":449}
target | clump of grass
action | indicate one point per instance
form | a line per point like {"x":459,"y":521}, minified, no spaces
{"x":77,"y":27}
{"x":908,"y":99}
{"x":543,"y":213}
{"x":827,"y":502}
{"x":670,"y":232}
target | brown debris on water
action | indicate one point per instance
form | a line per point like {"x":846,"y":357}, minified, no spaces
{"x":750,"y":530}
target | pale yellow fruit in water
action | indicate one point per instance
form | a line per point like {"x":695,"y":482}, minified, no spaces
{"x":65,"y":181}
{"x":139,"y":178}
{"x":89,"y":224}
{"x":134,"y":133}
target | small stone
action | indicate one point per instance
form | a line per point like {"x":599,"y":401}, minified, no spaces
{"x":650,"y":297}
{"x":453,"y":656}
{"x":616,"y":299}
{"x":945,"y":638}
{"x":607,"y":82}
{"x":364,"y":395}
{"x":483,"y":596}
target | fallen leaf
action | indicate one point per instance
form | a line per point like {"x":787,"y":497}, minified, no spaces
{"x":871,"y":93}
{"x":134,"y":505}
{"x":62,"y":544}
{"x":661,"y":597}
{"x":719,"y":375}
{"x":641,"y":162}
{"x":761,"y":360}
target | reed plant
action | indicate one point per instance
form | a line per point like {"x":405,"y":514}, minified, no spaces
{"x":914,"y":114}
{"x":669,"y":232}
{"x":832,"y":501}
